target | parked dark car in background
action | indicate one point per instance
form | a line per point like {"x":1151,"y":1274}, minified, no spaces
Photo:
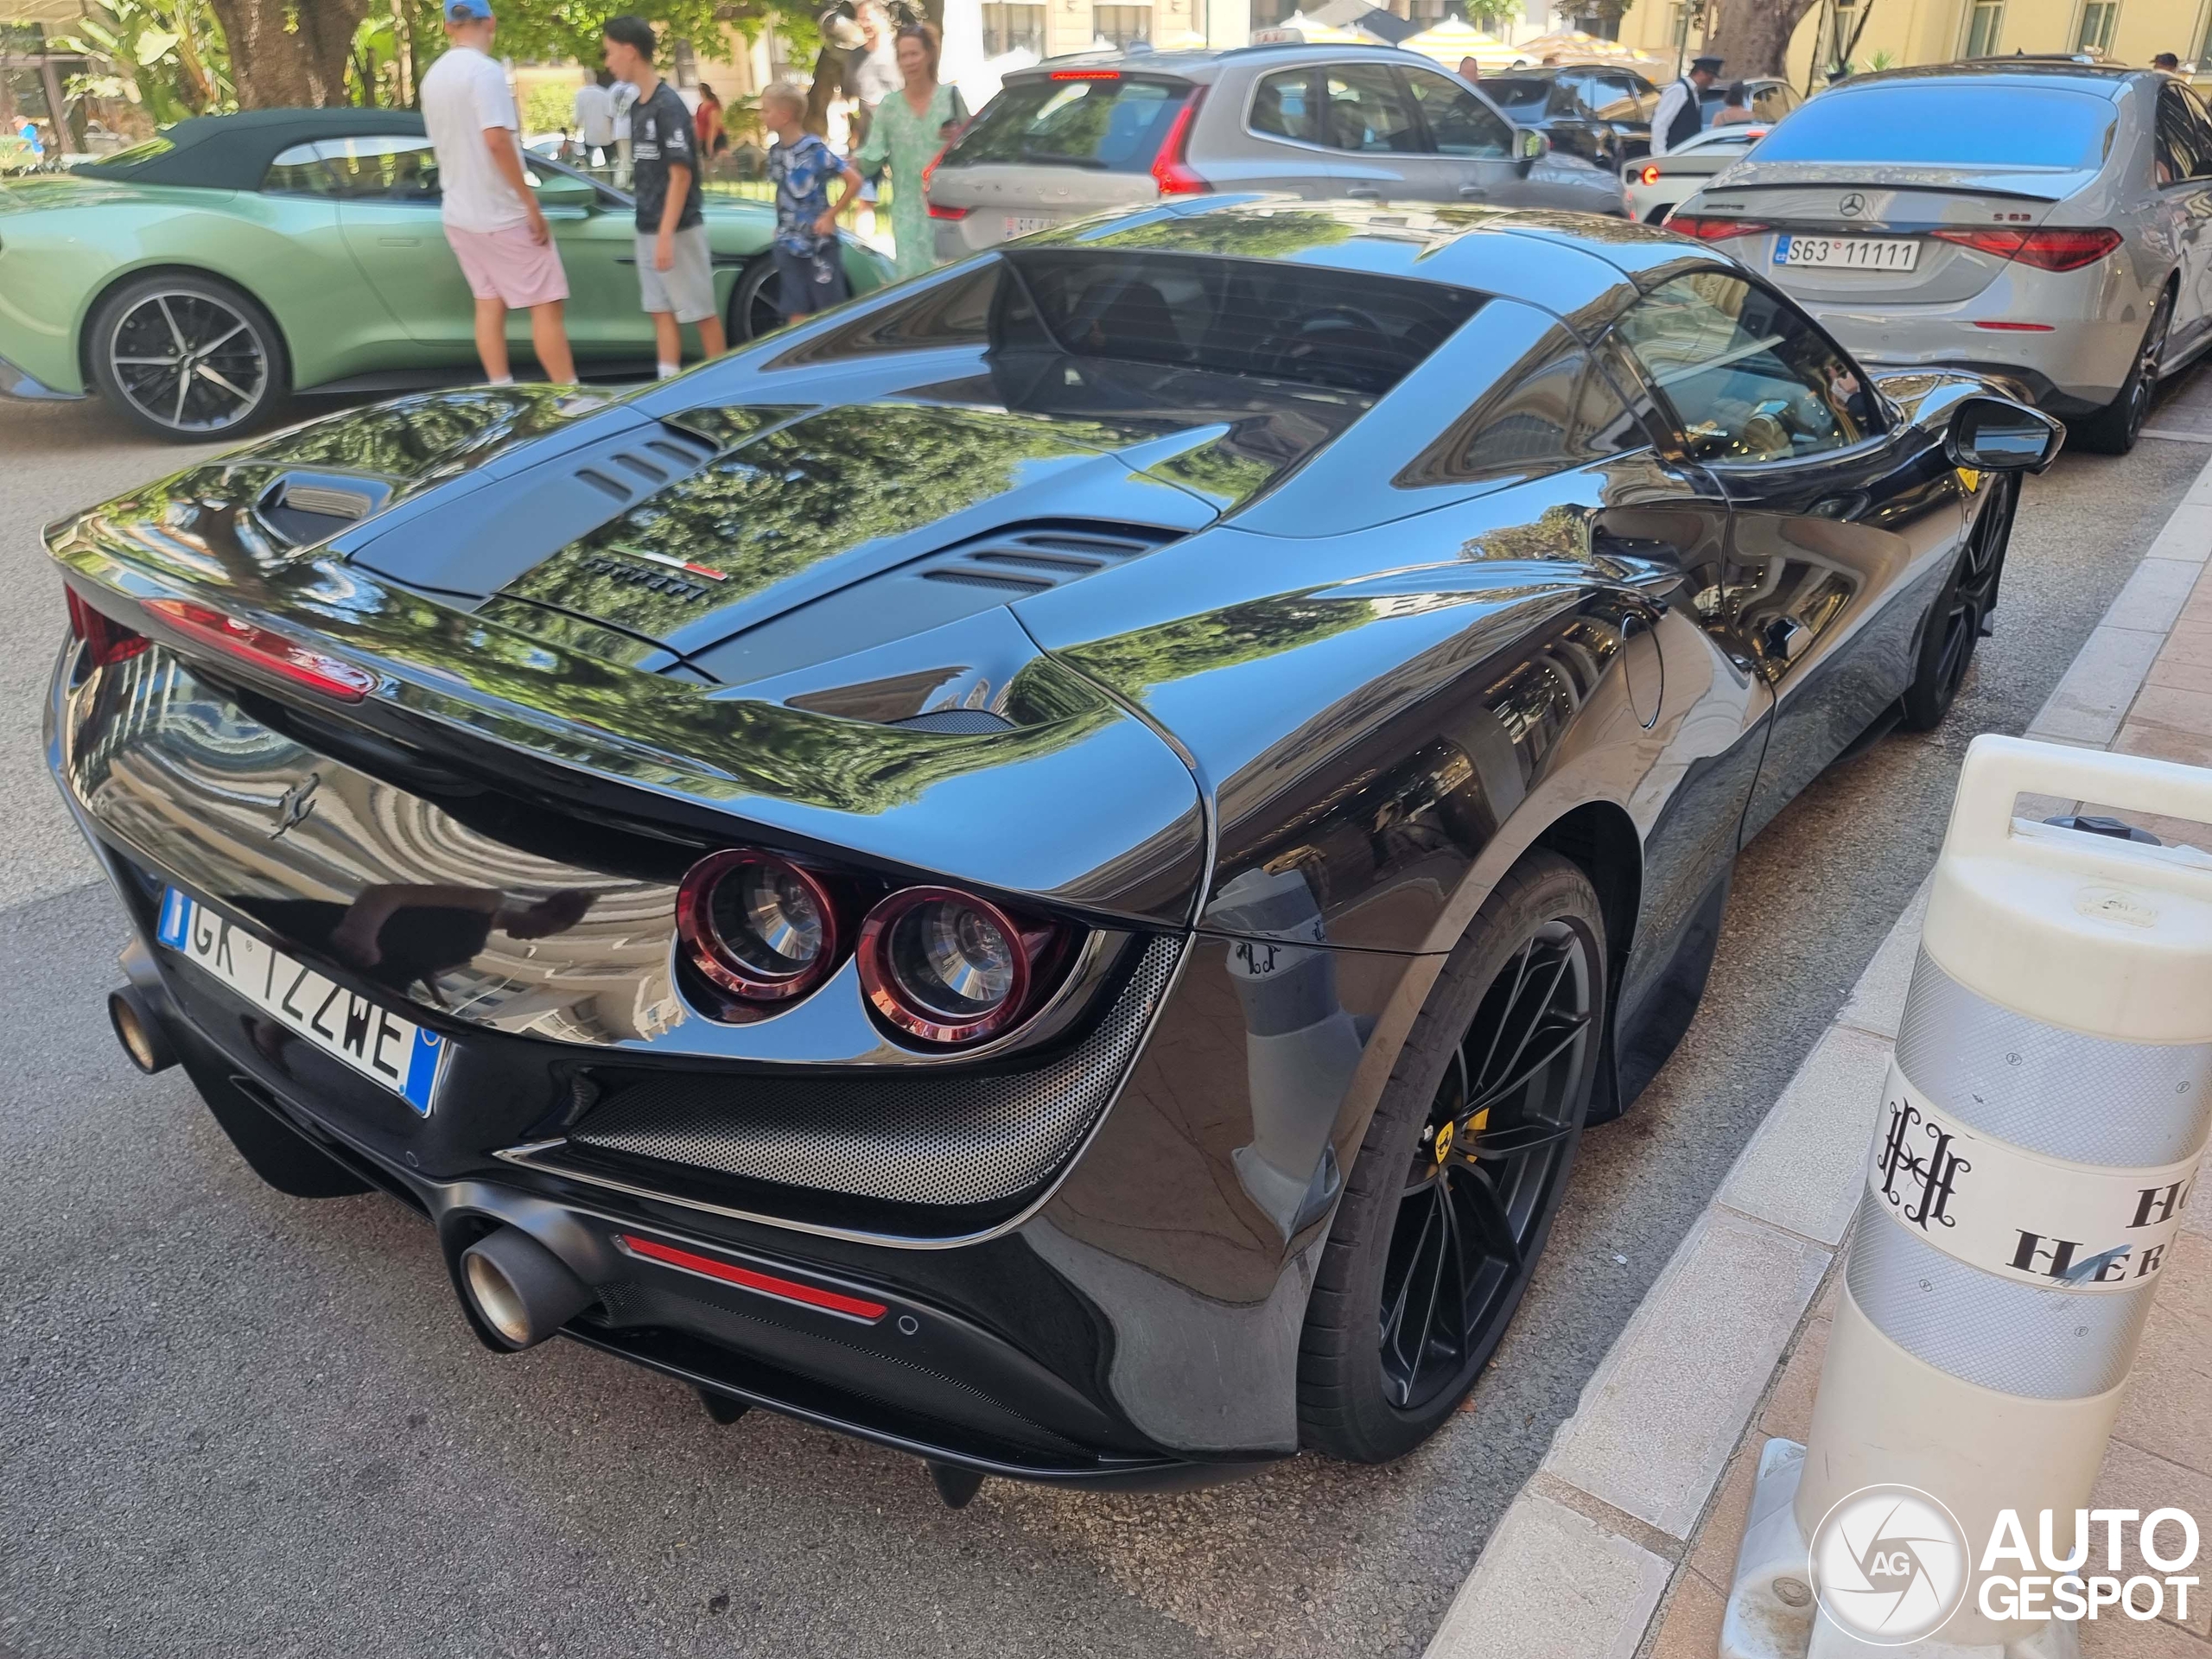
{"x":1603,"y":114}
{"x":1046,"y":868}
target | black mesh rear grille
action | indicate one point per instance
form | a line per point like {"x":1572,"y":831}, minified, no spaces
{"x":913,"y":1136}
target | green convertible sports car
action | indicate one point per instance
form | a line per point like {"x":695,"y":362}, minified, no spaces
{"x":199,"y":278}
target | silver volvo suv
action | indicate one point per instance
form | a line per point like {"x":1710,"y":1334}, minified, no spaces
{"x":1103,"y":130}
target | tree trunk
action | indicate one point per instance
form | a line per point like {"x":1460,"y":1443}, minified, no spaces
{"x":275,"y":68}
{"x":1753,"y":36}
{"x":402,"y":38}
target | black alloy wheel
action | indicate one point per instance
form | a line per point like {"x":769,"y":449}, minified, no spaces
{"x":187,"y":358}
{"x":1462,"y":1172}
{"x":1961,"y":615}
{"x":754,"y":308}
{"x":2114,"y":430}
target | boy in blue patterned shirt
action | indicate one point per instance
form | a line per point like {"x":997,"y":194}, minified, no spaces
{"x":800,"y":165}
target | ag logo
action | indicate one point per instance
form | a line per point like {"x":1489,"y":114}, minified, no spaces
{"x":1851,"y":206}
{"x":1888,"y":1564}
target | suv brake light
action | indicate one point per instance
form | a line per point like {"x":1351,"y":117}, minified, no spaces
{"x":106,"y":641}
{"x":2049,"y":249}
{"x":929,"y":173}
{"x":266,"y":649}
{"x":1171,"y":168}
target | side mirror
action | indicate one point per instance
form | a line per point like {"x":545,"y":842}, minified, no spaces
{"x":1994,"y":435}
{"x":1531,"y":145}
{"x":559,"y":190}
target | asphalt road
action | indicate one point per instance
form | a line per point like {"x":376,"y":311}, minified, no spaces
{"x":232,"y":1422}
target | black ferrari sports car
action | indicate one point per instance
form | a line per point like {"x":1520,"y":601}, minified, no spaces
{"x":1047,"y":867}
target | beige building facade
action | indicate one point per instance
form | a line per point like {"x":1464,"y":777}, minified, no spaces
{"x":1934,"y":31}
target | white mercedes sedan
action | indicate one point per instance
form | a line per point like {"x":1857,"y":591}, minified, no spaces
{"x":2050,"y":221}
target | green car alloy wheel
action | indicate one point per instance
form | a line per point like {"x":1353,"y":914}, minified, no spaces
{"x":198,"y":280}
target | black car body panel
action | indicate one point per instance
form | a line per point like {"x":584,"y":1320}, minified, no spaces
{"x":1255,"y":683}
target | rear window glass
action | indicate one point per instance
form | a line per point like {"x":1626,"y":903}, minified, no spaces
{"x":1946,"y":123}
{"x":1523,"y":99}
{"x":1233,"y":316}
{"x":1109,"y":126}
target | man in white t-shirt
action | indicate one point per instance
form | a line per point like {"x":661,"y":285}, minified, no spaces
{"x":501,"y":239}
{"x":594,"y":113}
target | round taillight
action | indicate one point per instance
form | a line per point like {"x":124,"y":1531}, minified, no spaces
{"x":756,"y":924}
{"x":1651,"y":176}
{"x":945,"y":966}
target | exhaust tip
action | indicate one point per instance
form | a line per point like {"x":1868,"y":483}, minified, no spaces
{"x":139,"y":1030}
{"x":521,"y":1291}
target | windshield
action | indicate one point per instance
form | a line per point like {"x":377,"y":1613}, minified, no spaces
{"x":1109,"y":123}
{"x":1946,"y":123}
{"x":1232,"y":316}
{"x":1521,"y":97}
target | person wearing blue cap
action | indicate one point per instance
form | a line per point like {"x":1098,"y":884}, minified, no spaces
{"x":491,"y":218}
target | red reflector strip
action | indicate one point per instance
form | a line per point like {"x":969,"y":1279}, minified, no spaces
{"x":767,"y":1284}
{"x":2018,"y":328}
{"x":1086,"y":74}
{"x":266,"y":649}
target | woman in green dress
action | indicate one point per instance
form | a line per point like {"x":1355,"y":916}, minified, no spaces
{"x":909,"y":128}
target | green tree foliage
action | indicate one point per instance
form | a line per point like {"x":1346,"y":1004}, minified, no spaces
{"x":166,"y":56}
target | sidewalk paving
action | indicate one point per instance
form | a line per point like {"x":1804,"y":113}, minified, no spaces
{"x":1623,"y":1544}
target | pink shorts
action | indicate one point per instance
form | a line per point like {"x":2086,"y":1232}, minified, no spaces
{"x":506,"y":266}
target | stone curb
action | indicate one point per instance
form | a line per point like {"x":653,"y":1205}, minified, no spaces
{"x":1580,"y":1563}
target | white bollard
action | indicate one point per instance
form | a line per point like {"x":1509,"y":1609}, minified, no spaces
{"x":2045,"y":1110}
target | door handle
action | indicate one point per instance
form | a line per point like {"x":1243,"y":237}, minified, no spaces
{"x":399,"y":241}
{"x":1473,"y":193}
{"x":1362,"y":193}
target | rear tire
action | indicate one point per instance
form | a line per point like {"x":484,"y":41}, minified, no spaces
{"x":280,"y":1155}
{"x":2113,"y":429}
{"x":753,"y":307}
{"x":1962,"y":610}
{"x":187,"y":358}
{"x":1446,"y":1230}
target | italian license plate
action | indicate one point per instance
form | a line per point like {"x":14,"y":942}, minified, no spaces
{"x":376,"y":1042}
{"x":1028,"y":224}
{"x":1848,"y":253}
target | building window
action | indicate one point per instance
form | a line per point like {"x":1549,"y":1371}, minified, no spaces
{"x":1267,"y":14}
{"x":1122,"y":25}
{"x":2097,"y":17}
{"x":1983,"y":23}
{"x":1012,"y":29}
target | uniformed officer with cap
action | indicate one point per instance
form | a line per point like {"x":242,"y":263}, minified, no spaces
{"x":1681,"y":115}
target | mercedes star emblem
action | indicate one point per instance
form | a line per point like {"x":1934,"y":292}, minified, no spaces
{"x":1851,"y":206}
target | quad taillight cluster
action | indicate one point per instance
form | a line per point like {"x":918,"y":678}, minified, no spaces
{"x":940,"y":966}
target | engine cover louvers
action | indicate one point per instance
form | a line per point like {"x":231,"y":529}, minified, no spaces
{"x":1029,"y":560}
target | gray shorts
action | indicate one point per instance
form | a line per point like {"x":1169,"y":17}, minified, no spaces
{"x":687,"y":287}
